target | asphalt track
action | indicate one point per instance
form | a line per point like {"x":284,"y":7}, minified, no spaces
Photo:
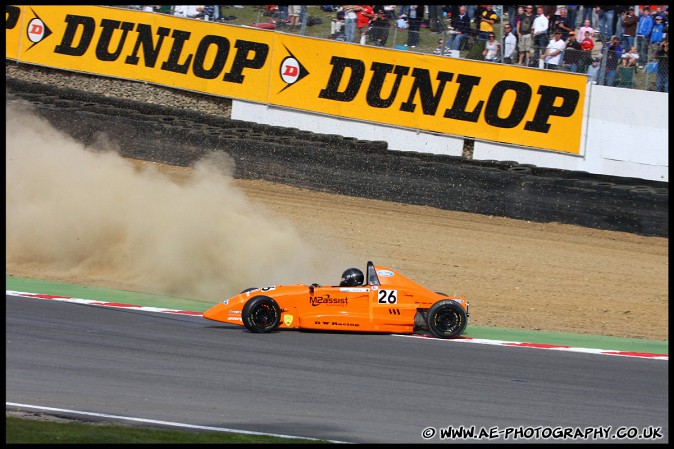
{"x":346,"y":387}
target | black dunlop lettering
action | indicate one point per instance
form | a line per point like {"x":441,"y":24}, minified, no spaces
{"x":150,"y":51}
{"x":172,"y":64}
{"x":422,"y":88}
{"x":458,"y":111}
{"x":12,"y":15}
{"x":545,"y":107}
{"x":241,"y":61}
{"x":519,"y":109}
{"x":218,"y":65}
{"x":248,"y":55}
{"x":331,"y":91}
{"x":66,"y":47}
{"x":422,"y":84}
{"x":103,"y":45}
{"x":380,"y":70}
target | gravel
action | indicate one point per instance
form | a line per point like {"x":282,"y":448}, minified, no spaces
{"x":119,"y":88}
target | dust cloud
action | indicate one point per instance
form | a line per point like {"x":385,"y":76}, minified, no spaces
{"x":89,"y":213}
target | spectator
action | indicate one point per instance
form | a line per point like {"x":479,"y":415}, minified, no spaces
{"x":631,"y":57}
{"x":512,"y":15}
{"x":441,"y":49}
{"x":587,"y":44}
{"x":401,"y":23}
{"x":336,"y":26}
{"x":350,"y":16}
{"x":487,"y":20}
{"x":593,"y":70}
{"x":435,"y":23}
{"x":587,"y":14}
{"x":210,"y":14}
{"x":552,"y":56}
{"x":524,"y":31}
{"x":612,"y":53}
{"x":363,"y":19}
{"x":629,"y":23}
{"x":644,"y":29}
{"x":665,"y":17}
{"x":472,"y":12}
{"x":540,"y":29}
{"x":516,"y":20}
{"x":662,"y":77}
{"x":379,"y":28}
{"x":414,"y":20}
{"x":550,"y":11}
{"x":573,"y":53}
{"x":605,"y":14}
{"x":491,"y":48}
{"x":563,"y":23}
{"x":587,"y":27}
{"x":189,"y":11}
{"x":461,"y":25}
{"x":572,"y":10}
{"x":657,"y":35}
{"x":620,"y":11}
{"x":294,"y":16}
{"x":509,"y":44}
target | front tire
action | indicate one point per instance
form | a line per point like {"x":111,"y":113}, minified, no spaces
{"x":447,"y":319}
{"x":261,"y":314}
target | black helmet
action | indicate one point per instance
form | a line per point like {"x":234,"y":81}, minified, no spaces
{"x":352,"y":277}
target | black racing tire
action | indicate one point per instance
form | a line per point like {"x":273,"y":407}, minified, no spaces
{"x":447,"y":319}
{"x":261,"y":314}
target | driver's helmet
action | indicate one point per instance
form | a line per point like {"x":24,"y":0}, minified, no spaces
{"x":352,"y":277}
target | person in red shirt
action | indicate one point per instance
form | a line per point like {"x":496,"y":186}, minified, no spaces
{"x":587,"y":43}
{"x":365,"y":15}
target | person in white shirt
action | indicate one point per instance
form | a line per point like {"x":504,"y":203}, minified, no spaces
{"x":509,"y":44}
{"x":491,"y":48}
{"x":189,"y":11}
{"x":553,"y":53}
{"x":540,"y":32}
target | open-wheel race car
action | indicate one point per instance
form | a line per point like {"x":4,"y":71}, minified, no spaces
{"x":385,"y":301}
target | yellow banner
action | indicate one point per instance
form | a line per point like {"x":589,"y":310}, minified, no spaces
{"x":500,"y":103}
{"x":184,"y":53}
{"x":13,"y":28}
{"x":447,"y":95}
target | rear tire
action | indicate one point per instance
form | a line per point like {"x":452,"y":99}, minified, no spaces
{"x":261,"y":314}
{"x":447,"y":319}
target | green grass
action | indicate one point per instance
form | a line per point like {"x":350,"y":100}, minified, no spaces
{"x":26,"y":431}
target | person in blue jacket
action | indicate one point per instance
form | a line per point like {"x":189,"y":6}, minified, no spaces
{"x":657,"y":34}
{"x":644,"y":29}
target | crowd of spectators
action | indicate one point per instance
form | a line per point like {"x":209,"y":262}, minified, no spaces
{"x":600,"y":40}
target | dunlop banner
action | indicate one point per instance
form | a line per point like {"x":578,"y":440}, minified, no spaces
{"x":514,"y":105}
{"x":183,"y":53}
{"x":447,"y":95}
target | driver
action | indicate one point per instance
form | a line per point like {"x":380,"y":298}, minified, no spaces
{"x":352,"y":278}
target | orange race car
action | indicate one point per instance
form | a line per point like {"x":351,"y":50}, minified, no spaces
{"x":384,"y":302}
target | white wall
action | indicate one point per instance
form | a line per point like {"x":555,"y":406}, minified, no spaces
{"x":626,"y":135}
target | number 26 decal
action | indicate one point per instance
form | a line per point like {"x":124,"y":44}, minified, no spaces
{"x":387,"y":297}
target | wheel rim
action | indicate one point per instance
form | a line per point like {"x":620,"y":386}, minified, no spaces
{"x":264,"y":316}
{"x":447,"y":320}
